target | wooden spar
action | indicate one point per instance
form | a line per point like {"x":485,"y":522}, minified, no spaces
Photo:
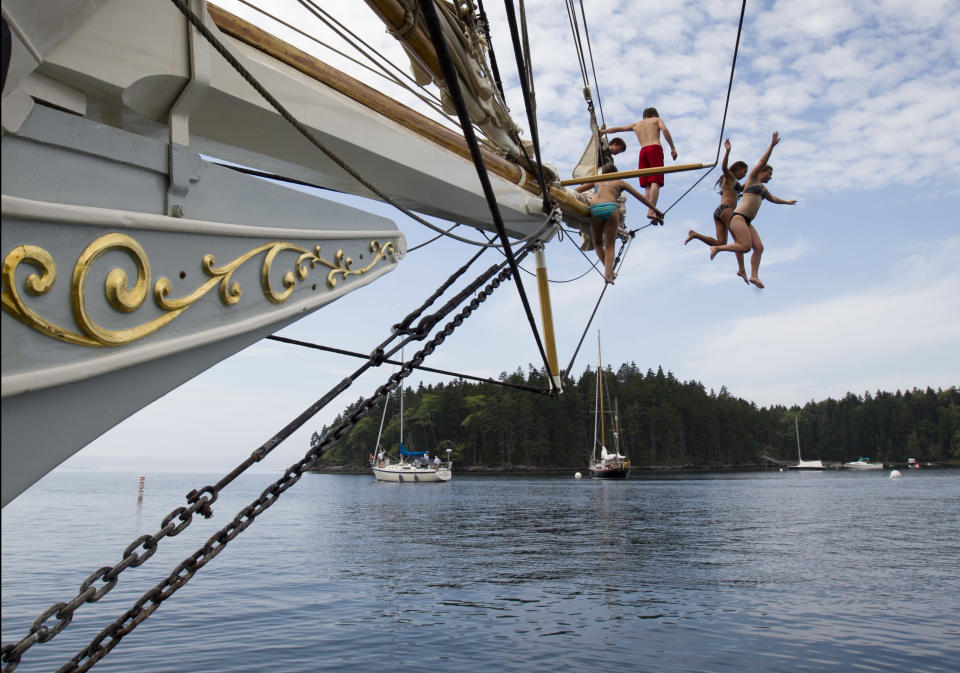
{"x":622,"y":175}
{"x":395,"y":16}
{"x":369,"y":97}
{"x":546,"y":315}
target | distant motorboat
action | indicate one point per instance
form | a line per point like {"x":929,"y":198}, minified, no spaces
{"x":801,"y":463}
{"x":863,"y":464}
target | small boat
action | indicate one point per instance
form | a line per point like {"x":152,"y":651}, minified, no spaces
{"x":606,"y":465}
{"x":863,"y":464}
{"x":801,"y":463}
{"x":413,"y":466}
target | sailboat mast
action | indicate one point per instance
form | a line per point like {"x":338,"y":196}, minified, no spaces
{"x":797,"y":426}
{"x":401,"y":406}
{"x":600,"y":390}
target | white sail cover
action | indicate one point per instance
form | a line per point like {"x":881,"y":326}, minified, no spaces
{"x":605,"y":455}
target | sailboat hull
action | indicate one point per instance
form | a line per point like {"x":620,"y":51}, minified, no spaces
{"x":600,"y":472}
{"x":408,"y":474}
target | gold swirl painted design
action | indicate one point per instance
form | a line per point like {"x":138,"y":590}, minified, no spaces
{"x":125,"y":298}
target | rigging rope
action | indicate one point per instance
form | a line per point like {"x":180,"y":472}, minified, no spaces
{"x":535,"y":235}
{"x":596,"y":82}
{"x":197,"y":23}
{"x":433,"y":370}
{"x":453,"y":82}
{"x":426,"y":96}
{"x":723,"y":123}
{"x":525,"y":77}
{"x":616,"y":265}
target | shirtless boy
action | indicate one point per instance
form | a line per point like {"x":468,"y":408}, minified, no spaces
{"x":648,"y":132}
{"x":605,"y":219}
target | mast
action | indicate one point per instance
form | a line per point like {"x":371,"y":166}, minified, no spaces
{"x":600,"y":390}
{"x":797,"y":426}
{"x":401,"y":409}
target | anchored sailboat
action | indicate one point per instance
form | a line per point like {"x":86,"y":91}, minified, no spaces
{"x":801,"y":463}
{"x":603,"y":463}
{"x":412,"y":466}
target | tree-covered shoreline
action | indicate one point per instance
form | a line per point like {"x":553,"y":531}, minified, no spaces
{"x":666,"y":423}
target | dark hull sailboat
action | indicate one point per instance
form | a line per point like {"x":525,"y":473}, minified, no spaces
{"x":606,"y":465}
{"x":619,"y":472}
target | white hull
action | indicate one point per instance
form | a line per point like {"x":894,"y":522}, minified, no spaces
{"x":808,"y":465}
{"x":408,"y":474}
{"x":857,"y":465}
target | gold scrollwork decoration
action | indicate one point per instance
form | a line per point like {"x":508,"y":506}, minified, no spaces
{"x":126,"y":298}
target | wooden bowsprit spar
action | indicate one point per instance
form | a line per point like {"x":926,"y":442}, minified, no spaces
{"x":637,"y":172}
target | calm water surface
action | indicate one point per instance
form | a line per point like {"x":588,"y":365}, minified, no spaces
{"x":769,"y":571}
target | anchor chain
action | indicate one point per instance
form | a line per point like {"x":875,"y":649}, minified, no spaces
{"x":109,"y":637}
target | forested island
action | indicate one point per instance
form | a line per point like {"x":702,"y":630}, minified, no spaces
{"x":665,"y":424}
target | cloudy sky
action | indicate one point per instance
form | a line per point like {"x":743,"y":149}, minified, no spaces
{"x":862,"y":275}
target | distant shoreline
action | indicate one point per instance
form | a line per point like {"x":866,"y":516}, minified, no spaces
{"x":637,"y":469}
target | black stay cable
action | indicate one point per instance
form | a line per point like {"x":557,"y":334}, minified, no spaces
{"x":493,"y":59}
{"x":453,"y":83}
{"x":422,"y":368}
{"x":726,"y":106}
{"x":621,"y":256}
{"x":197,"y":23}
{"x":522,"y":72}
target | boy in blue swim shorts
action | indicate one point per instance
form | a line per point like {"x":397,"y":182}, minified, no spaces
{"x":605,"y":219}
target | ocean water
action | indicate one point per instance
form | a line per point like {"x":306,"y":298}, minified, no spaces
{"x":771,"y":571}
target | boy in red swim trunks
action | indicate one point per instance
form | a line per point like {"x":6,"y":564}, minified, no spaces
{"x":651,"y":153}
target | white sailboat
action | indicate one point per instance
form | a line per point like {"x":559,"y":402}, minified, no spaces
{"x":603,"y":463}
{"x":801,"y":463}
{"x":411,"y":466}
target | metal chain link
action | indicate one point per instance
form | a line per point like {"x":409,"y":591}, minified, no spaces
{"x":40,"y":632}
{"x":151,"y":600}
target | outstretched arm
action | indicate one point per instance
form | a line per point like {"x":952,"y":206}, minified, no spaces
{"x":726,"y":157}
{"x":776,"y":199}
{"x":641,"y":198}
{"x":668,"y":137}
{"x":755,"y":173}
{"x":615,"y":129}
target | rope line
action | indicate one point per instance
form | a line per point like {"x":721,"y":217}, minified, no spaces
{"x":453,"y":82}
{"x":596,"y":82}
{"x":723,"y":123}
{"x":197,"y":23}
{"x":433,"y":370}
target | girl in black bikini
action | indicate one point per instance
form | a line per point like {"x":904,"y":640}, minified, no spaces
{"x":730,"y":189}
{"x":740,"y":222}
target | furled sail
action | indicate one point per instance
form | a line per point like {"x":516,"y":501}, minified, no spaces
{"x":468,"y":48}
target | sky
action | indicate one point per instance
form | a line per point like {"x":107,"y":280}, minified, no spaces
{"x":862,"y":275}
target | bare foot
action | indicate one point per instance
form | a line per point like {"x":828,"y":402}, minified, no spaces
{"x":690,"y":236}
{"x":713,"y":251}
{"x":743,"y":274}
{"x":756,"y":281}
